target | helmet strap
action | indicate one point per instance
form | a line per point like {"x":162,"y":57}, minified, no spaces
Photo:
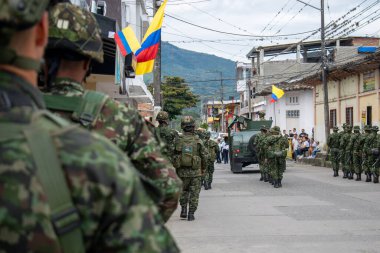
{"x":10,"y":57}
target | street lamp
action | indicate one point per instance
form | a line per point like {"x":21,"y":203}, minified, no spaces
{"x":324,"y":66}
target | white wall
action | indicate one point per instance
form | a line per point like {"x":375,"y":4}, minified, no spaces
{"x":305,"y":106}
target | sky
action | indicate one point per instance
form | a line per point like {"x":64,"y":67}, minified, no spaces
{"x":250,"y":17}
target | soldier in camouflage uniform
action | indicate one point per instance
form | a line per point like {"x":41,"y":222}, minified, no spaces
{"x":255,"y":145}
{"x":63,"y":188}
{"x":373,"y":151}
{"x":369,"y":144}
{"x":345,"y":152}
{"x":277,"y":152}
{"x":190,"y":161}
{"x":167,"y":135}
{"x":367,"y":155}
{"x":356,"y":146}
{"x":359,"y":149}
{"x":349,"y":152}
{"x":333,"y":143}
{"x":79,"y":45}
{"x":212,"y":148}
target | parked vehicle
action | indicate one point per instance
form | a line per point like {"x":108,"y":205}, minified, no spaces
{"x":240,"y":155}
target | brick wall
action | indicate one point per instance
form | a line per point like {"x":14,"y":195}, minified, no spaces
{"x":146,"y":110}
{"x":366,"y":42}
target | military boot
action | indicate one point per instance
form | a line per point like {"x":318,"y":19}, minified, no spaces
{"x":336,"y":173}
{"x":262,"y":177}
{"x":280,"y":183}
{"x":183,"y":213}
{"x":275,"y":184}
{"x":206,"y":186}
{"x":350,"y":176}
{"x":265,"y":177}
{"x":369,"y":177}
{"x":190,"y":217}
{"x":375,"y":179}
{"x":344,"y":174}
{"x":358,"y":177}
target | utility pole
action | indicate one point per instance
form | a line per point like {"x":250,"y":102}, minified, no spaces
{"x":324,"y":73}
{"x":221,"y":99}
{"x":249,"y":100}
{"x":157,"y":67}
{"x":324,"y":68}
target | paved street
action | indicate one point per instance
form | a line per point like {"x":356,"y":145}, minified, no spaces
{"x":313,"y":212}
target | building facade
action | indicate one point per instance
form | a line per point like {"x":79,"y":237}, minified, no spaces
{"x":219,"y":115}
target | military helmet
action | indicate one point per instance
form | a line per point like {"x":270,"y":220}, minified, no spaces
{"x":344,"y":125}
{"x":276,"y":130}
{"x":375,"y":128}
{"x":357,"y":128}
{"x":162,"y":116}
{"x":263,"y":128}
{"x":187,"y":121}
{"x":74,"y":29}
{"x":367,"y":128}
{"x":207,"y":134}
{"x":335,"y":129}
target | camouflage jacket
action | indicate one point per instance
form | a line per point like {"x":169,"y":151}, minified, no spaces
{"x":344,"y":141}
{"x":355,"y":137}
{"x":212,"y":148}
{"x":359,"y":145}
{"x":369,"y":143}
{"x":116,"y":214}
{"x":127,"y":129}
{"x":201,"y":152}
{"x":276,"y":143}
{"x":168,"y":136}
{"x":334,"y":141}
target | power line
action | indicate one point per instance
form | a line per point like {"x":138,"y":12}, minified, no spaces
{"x":278,"y":13}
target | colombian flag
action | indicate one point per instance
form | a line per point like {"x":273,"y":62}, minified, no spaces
{"x":147,"y":53}
{"x":277,"y":93}
{"x":127,"y":41}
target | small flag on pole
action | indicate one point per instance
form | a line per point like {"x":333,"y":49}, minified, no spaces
{"x":127,"y":41}
{"x":277,"y":93}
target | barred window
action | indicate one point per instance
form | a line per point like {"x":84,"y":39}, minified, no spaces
{"x":332,"y":118}
{"x":350,"y":116}
{"x":293,"y":114}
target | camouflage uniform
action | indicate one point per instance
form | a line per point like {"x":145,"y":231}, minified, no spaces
{"x":346,"y":158}
{"x":368,"y":158}
{"x":349,"y":152}
{"x":356,"y":148}
{"x":374,"y":154}
{"x":115,"y":213}
{"x":167,"y":135}
{"x":190,"y":161}
{"x":360,"y":149}
{"x":255,"y":145}
{"x":212,"y":148}
{"x":277,"y":152}
{"x":333,"y":143}
{"x":122,"y":125}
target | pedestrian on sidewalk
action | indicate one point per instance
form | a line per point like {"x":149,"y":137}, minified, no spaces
{"x":225,"y":148}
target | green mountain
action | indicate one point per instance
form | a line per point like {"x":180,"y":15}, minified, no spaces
{"x":194,"y":66}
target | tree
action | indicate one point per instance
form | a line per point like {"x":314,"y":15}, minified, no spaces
{"x":176,"y":96}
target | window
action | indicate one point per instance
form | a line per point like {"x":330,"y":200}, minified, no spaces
{"x":293,"y":114}
{"x":369,"y":115}
{"x":332,"y":118}
{"x":101,"y":8}
{"x":292,"y":100}
{"x":350,"y":116}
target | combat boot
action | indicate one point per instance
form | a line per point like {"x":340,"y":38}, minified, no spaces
{"x":265,"y":177}
{"x":275,"y":184}
{"x":279,"y":183}
{"x":190,"y":217}
{"x":350,"y":176}
{"x":375,"y":179}
{"x":206,"y":186}
{"x":183,"y":213}
{"x":336,"y":173}
{"x":358,"y":177}
{"x":344,"y":174}
{"x":261,"y":177}
{"x":209,"y":186}
{"x":368,"y":178}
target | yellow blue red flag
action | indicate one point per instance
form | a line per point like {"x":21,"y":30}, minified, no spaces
{"x":277,"y":93}
{"x":127,"y":41}
{"x":147,"y":53}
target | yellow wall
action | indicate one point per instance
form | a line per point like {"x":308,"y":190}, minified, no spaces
{"x":371,"y":100}
{"x":349,"y":86}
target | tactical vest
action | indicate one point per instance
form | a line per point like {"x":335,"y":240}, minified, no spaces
{"x":64,"y":215}
{"x":85,"y":109}
{"x":189,"y":157}
{"x":211,"y":149}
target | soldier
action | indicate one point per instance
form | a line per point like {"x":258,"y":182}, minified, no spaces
{"x":69,"y":54}
{"x":277,"y":152}
{"x":373,"y":160}
{"x":364,"y":142}
{"x":345,"y":153}
{"x":370,"y":143}
{"x":256,"y":148}
{"x":212,"y":148}
{"x":167,"y":135}
{"x":333,"y":144}
{"x":63,"y":188}
{"x":190,"y":161}
{"x":350,"y":155}
{"x":357,"y":147}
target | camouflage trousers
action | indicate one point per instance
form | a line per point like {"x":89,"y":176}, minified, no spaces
{"x":334,"y":157}
{"x":191,"y":187}
{"x":277,"y":167}
{"x":209,"y":174}
{"x":357,"y":163}
{"x":365,"y":164}
{"x":346,"y":160}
